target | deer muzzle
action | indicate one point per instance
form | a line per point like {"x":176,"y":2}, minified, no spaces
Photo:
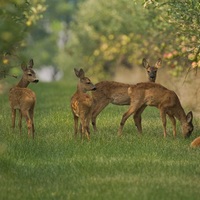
{"x":36,"y":81}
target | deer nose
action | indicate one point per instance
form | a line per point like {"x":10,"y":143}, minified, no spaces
{"x":36,"y":81}
{"x":94,"y":88}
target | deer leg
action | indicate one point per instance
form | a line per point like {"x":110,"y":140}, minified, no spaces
{"x":138,"y":119}
{"x":164,"y":121}
{"x":20,"y":121}
{"x":97,"y":108}
{"x":126,"y":115}
{"x":75,"y":126}
{"x":87,"y":129}
{"x":13,"y":117}
{"x":173,"y":120}
{"x":28,"y":121}
{"x":31,"y":113}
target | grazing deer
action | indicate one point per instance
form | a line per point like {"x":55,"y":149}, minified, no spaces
{"x":23,"y":99}
{"x":116,"y":93}
{"x":152,"y":94}
{"x":81,"y":103}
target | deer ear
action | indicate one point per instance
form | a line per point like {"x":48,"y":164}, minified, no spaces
{"x":189,"y":117}
{"x":158,"y":63}
{"x":145,"y":63}
{"x":31,"y":63}
{"x":76,"y":71}
{"x":81,"y":73}
{"x":23,"y":66}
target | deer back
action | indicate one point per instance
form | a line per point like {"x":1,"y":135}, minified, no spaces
{"x":153,"y":94}
{"x":114,"y":92}
{"x":22,"y":98}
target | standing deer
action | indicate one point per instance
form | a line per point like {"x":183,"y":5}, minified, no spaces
{"x":23,"y":99}
{"x":81,"y":104}
{"x":152,"y":94}
{"x":116,"y":93}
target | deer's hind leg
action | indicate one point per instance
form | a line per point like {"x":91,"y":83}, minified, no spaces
{"x":13,"y":117}
{"x":132,"y":109}
{"x":31,"y":114}
{"x":20,"y":121}
{"x":138,"y":119}
{"x":25,"y":113}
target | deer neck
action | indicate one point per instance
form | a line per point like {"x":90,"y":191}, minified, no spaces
{"x":22,"y":83}
{"x":80,"y":89}
{"x":181,"y":116}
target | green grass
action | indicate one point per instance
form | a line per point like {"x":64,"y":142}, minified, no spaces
{"x":55,"y":166}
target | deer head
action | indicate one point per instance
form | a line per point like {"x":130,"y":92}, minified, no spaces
{"x":151,"y":70}
{"x":29,"y":75}
{"x":85,"y":83}
{"x":188,"y":127}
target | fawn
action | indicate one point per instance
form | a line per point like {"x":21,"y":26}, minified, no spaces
{"x":23,"y":99}
{"x":81,"y":104}
{"x":153,"y":94}
{"x":116,"y":93}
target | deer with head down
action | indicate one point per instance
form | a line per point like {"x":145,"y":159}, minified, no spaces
{"x":81,"y":104}
{"x":116,"y":93}
{"x":152,"y":94}
{"x":23,"y":99}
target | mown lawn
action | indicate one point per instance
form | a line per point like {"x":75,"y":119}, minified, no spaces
{"x":55,"y":166}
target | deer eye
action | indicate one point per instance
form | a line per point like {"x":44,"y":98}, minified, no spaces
{"x":29,"y":74}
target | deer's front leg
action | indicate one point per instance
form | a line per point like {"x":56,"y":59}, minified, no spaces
{"x":96,"y":109}
{"x":164,"y":121}
{"x":173,"y":120}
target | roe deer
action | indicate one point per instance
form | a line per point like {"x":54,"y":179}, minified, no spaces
{"x":23,"y":99}
{"x":81,"y":104}
{"x":153,"y":94}
{"x":115,"y":92}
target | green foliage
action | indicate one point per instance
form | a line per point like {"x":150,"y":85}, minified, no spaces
{"x":17,"y":18}
{"x":163,"y":30}
{"x":184,"y":16}
{"x":55,"y":166}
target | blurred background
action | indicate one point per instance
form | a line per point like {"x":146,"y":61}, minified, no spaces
{"x":108,"y":39}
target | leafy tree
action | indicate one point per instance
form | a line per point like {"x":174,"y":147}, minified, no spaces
{"x":17,"y":18}
{"x":108,"y":34}
{"x":185,"y":18}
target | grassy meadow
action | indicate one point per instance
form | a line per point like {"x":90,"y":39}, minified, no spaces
{"x":55,"y":166}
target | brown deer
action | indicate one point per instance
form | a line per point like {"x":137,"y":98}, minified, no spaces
{"x":116,"y":93}
{"x":81,"y":104}
{"x":23,"y":99}
{"x":152,"y":94}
